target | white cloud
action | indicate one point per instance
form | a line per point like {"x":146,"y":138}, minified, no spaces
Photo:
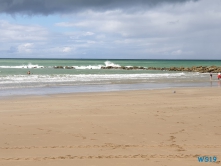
{"x":66,"y":49}
{"x":177,"y":52}
{"x":25,"y":48}
{"x":88,"y":34}
{"x":16,"y":32}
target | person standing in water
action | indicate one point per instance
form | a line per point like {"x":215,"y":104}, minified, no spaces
{"x":28,"y":72}
{"x":211,"y":75}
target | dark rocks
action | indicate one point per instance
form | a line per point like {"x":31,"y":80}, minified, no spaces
{"x":109,"y":67}
{"x":124,"y":67}
{"x":58,"y":67}
{"x":69,"y":67}
{"x":62,"y":67}
{"x":200,"y":69}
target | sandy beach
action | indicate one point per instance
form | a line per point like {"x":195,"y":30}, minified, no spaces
{"x":148,"y":127}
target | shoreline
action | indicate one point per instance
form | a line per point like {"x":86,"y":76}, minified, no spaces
{"x":41,"y":91}
{"x":66,"y":94}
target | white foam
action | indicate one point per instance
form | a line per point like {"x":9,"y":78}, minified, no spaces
{"x":88,"y":67}
{"x":29,"y":66}
{"x":86,"y":77}
{"x":18,"y":81}
{"x":107,"y":63}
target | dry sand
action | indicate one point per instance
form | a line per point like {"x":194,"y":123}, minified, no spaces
{"x":148,"y":127}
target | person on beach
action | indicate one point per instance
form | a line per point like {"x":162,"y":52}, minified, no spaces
{"x":211,"y":75}
{"x":219,"y":76}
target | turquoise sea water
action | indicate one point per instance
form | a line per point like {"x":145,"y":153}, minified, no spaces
{"x":89,"y":76}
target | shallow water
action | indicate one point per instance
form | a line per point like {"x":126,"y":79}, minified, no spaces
{"x":100,"y":88}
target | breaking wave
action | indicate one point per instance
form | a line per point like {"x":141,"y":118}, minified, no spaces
{"x":29,"y":66}
{"x":36,"y":66}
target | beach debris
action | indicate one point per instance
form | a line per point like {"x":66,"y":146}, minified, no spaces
{"x":174,"y":91}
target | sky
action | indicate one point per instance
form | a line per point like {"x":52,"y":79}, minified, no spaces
{"x":110,"y":29}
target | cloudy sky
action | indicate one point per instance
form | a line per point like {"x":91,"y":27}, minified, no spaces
{"x":125,"y":29}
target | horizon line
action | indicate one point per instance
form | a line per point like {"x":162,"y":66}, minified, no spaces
{"x":112,"y":59}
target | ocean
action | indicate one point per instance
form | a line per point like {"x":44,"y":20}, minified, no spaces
{"x":89,"y":77}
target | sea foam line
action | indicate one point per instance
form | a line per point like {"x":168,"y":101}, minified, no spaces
{"x":88,"y":77}
{"x":32,"y":66}
{"x":29,"y":66}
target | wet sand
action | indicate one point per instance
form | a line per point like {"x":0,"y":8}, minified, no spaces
{"x":148,"y":127}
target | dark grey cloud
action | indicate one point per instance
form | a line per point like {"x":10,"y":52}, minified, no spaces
{"x":47,"y":7}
